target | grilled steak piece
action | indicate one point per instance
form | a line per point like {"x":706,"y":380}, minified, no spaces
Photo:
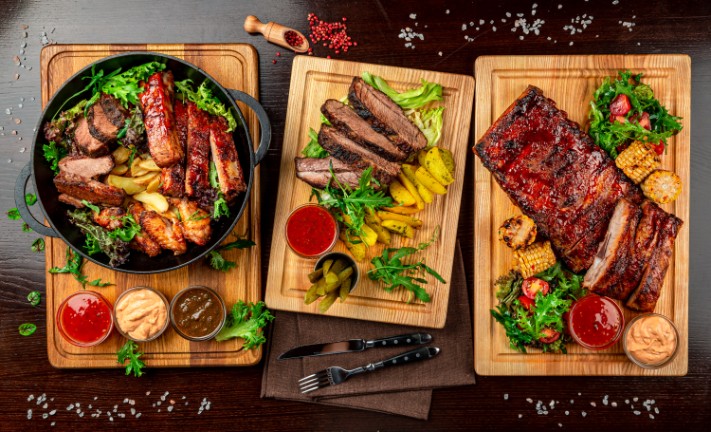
{"x":338,"y":145}
{"x":165,"y":231}
{"x":105,"y":118}
{"x":158,"y":116}
{"x":142,"y":242}
{"x":68,"y":199}
{"x":87,"y":167}
{"x":645,"y":297}
{"x":194,"y":221}
{"x":226,"y":160}
{"x":172,"y":179}
{"x":197,"y":167}
{"x":385,"y":116}
{"x":83,"y":188}
{"x":360,"y":131}
{"x":554,"y":172}
{"x":86,"y":143}
{"x":109,"y":218}
{"x":316,"y":172}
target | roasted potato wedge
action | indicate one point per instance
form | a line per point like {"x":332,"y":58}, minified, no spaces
{"x":145,"y":179}
{"x":126,"y":183}
{"x":403,"y":210}
{"x":399,"y":227}
{"x":448,"y":159}
{"x":425,"y":194}
{"x":149,"y":165}
{"x":356,"y":249}
{"x":136,"y":169}
{"x":429,"y":181}
{"x":120,"y":169}
{"x":413,"y":222}
{"x":370,"y":236}
{"x":400,"y":194}
{"x":156,"y":201}
{"x":432,"y":160}
{"x":154,"y":185}
{"x":121,"y":155}
{"x":410,"y":186}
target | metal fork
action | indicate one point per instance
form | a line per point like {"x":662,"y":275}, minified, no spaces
{"x":336,"y":375}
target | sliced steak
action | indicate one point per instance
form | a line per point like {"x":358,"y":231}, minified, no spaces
{"x":109,"y":218}
{"x":357,"y":129}
{"x":93,"y":191}
{"x":226,"y":159}
{"x":316,"y":172}
{"x":338,"y":145}
{"x":85,"y":141}
{"x":385,"y":116}
{"x":87,"y":167}
{"x":105,"y":118}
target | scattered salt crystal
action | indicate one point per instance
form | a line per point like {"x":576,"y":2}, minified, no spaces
{"x":170,"y":408}
{"x":614,"y":404}
{"x":656,"y":410}
{"x":45,"y":406}
{"x":482,"y":22}
{"x":560,"y":6}
{"x":148,"y":393}
{"x":439,"y":53}
{"x":133,"y":411}
{"x":627,"y":401}
{"x":447,"y":12}
{"x":572,"y":401}
{"x":651,"y":416}
{"x":471,"y":23}
{"x":560,"y":424}
{"x":529,"y":400}
{"x":29,"y":414}
{"x":70,"y":407}
{"x":464,"y":27}
{"x":9,"y":161}
{"x":506,"y":396}
{"x":567,"y":412}
{"x":635,"y":399}
{"x":584,"y":414}
{"x":413,"y":16}
{"x":508,"y":14}
{"x":493,"y":28}
{"x":53,"y":423}
{"x":571,"y":43}
{"x":138,"y":415}
{"x":45,"y":415}
{"x":636,"y":412}
{"x":30,"y":397}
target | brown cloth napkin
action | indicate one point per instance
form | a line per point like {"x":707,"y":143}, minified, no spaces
{"x":405,"y":390}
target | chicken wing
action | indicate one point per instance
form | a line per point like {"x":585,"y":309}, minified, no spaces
{"x":195,"y":221}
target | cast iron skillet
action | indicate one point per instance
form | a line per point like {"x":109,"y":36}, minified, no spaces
{"x":38,"y":169}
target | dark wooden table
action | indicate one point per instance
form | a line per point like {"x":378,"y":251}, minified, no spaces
{"x":659,"y":27}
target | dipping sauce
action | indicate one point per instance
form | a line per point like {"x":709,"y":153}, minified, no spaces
{"x":650,"y":340}
{"x":595,"y":322}
{"x":311,"y":230}
{"x":141,"y":314}
{"x":197,"y":313}
{"x":84,"y":318}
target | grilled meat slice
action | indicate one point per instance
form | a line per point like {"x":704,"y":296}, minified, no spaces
{"x":158,"y":116}
{"x":173,"y":178}
{"x":357,"y":129}
{"x":616,"y":252}
{"x":109,"y":218}
{"x":93,"y":191}
{"x":142,"y":242}
{"x":195,"y":221}
{"x":385,"y":116}
{"x":105,"y":118}
{"x":226,"y":160}
{"x":645,"y":296}
{"x":68,"y":199}
{"x":86,"y":143}
{"x":316,"y":172}
{"x":553,"y":171}
{"x":197,"y":168}
{"x":338,"y":145}
{"x":165,"y":231}
{"x":85,"y":166}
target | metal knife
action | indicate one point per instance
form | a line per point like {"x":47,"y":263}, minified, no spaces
{"x":355,"y":345}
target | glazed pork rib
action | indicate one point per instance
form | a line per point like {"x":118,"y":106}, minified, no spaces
{"x":159,"y":118}
{"x":172,"y":178}
{"x":554,"y":172}
{"x":224,"y":156}
{"x":198,"y":152}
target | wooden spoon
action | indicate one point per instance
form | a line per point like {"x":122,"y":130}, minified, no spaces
{"x":275,"y":33}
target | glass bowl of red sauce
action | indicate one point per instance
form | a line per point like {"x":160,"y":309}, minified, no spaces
{"x":595,"y":322}
{"x":85,"y":319}
{"x":311,"y":231}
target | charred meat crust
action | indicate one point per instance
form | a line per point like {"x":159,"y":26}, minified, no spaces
{"x":198,"y":152}
{"x":158,"y":116}
{"x":173,"y":178}
{"x":105,"y":117}
{"x":87,"y":167}
{"x":93,"y":191}
{"x":316,"y":172}
{"x":226,"y":160}
{"x":142,"y":242}
{"x":85,"y":141}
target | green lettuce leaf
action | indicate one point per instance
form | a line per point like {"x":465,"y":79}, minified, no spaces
{"x":409,"y":99}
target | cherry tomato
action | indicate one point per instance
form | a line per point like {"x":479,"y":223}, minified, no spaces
{"x":620,"y":105}
{"x":618,"y":119}
{"x":645,"y":122}
{"x":550,"y":336}
{"x":532,"y":286}
{"x":526,"y":302}
{"x":658,"y":147}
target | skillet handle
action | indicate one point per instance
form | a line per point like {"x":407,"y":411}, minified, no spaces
{"x":264,"y":124}
{"x":20,"y":185}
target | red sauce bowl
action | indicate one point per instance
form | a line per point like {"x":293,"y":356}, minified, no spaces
{"x":595,"y":322}
{"x":85,"y":319}
{"x":311,"y":231}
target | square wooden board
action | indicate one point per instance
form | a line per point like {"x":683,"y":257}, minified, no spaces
{"x":313,"y":80}
{"x":234,"y":66}
{"x":571,"y":81}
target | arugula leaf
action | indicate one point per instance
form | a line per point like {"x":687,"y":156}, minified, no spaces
{"x":313,"y":149}
{"x":218,"y":262}
{"x":91,"y":206}
{"x":111,"y":243}
{"x":13,"y":214}
{"x":246,"y":321}
{"x":26,"y":228}
{"x":73,"y":266}
{"x":123,"y":86}
{"x":132,"y":156}
{"x":206,"y":101}
{"x":38,"y":245}
{"x":27,"y":329}
{"x":238,"y":244}
{"x":128,"y":230}
{"x":53,"y":154}
{"x":34,"y":297}
{"x":129,"y":351}
{"x":409,"y":99}
{"x":30,"y":199}
{"x":91,"y":245}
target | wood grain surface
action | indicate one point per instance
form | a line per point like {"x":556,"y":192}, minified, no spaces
{"x":313,"y":81}
{"x":570,"y":81}
{"x":663,"y":26}
{"x":234,"y":66}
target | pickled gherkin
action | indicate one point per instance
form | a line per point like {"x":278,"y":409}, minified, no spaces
{"x":333,"y":280}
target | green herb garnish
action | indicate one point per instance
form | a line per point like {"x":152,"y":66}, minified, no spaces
{"x":129,"y":351}
{"x":30,"y":199}
{"x":111,"y":243}
{"x":313,"y":149}
{"x":13,"y":214}
{"x":26,"y":228}
{"x":34,"y":297}
{"x":27,"y":329}
{"x":53,"y":154}
{"x":90,"y":206}
{"x":205,"y":100}
{"x":246,"y":321}
{"x":38,"y":245}
{"x":218,"y":262}
{"x":220,"y":207}
{"x":410,"y":99}
{"x":73,"y":266}
{"x":123,"y":86}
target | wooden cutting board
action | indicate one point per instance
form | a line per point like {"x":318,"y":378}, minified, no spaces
{"x":234,"y":66}
{"x":571,"y":81}
{"x":313,"y":80}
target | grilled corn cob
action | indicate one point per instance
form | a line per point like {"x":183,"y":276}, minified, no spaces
{"x":638,"y":161}
{"x":518,"y":232}
{"x":535,"y":258}
{"x":662,"y":186}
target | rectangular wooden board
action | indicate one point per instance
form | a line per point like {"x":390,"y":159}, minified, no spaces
{"x":571,"y":81}
{"x":313,"y":80}
{"x":234,"y":66}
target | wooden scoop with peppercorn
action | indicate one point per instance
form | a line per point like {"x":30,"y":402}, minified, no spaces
{"x":277,"y":34}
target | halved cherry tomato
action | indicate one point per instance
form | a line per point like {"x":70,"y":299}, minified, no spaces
{"x":620,"y":105}
{"x":526,"y":302}
{"x":618,"y":119}
{"x":532,"y":286}
{"x":658,"y":147}
{"x":645,"y":122}
{"x":550,"y":336}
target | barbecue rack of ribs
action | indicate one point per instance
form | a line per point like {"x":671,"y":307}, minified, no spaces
{"x":159,"y":118}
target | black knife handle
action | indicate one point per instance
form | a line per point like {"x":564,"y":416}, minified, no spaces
{"x":406,"y":339}
{"x":423,"y":353}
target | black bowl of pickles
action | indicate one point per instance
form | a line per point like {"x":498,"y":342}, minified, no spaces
{"x":335,"y":275}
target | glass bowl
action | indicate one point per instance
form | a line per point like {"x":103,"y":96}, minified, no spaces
{"x":74,"y":299}
{"x":122,"y":298}
{"x":175,"y":303}
{"x":629,"y":347}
